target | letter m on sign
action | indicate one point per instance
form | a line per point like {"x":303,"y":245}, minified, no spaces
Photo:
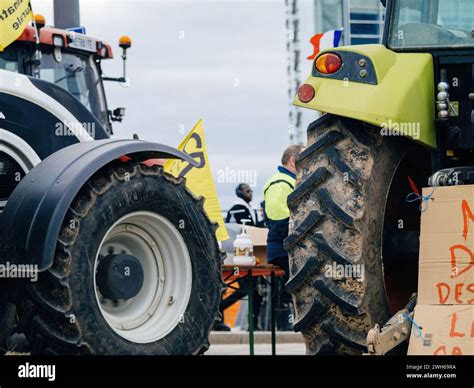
{"x":467,"y":216}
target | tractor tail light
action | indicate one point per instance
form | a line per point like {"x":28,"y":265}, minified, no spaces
{"x":328,"y":63}
{"x":305,"y":93}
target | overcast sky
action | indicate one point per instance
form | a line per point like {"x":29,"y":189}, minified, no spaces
{"x":222,"y":61}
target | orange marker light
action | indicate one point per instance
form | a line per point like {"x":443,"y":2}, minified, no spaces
{"x":40,"y":21}
{"x":328,"y":63}
{"x":125,"y":42}
{"x":306,"y":93}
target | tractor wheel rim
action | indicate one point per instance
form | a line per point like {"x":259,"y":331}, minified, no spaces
{"x":162,"y":301}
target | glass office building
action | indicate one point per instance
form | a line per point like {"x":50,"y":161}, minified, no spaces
{"x":362,"y":20}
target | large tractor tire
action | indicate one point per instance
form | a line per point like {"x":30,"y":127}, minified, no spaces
{"x":8,"y":322}
{"x":135,"y":223}
{"x":345,"y":210}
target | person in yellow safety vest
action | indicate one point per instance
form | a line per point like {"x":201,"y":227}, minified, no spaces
{"x":276,"y":192}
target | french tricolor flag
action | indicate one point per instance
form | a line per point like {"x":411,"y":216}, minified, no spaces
{"x":325,"y":41}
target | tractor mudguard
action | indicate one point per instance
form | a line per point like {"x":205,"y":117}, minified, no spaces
{"x":32,"y":218}
{"x":395,"y":91}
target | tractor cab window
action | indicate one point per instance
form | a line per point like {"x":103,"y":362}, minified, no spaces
{"x":9,"y":60}
{"x":8,"y":65}
{"x":418,"y":24}
{"x":78,"y":74}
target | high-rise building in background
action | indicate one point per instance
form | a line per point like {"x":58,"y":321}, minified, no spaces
{"x":362,"y":20}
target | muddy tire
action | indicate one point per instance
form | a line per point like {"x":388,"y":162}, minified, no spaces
{"x":8,"y":322}
{"x":337,"y":212}
{"x":128,"y":208}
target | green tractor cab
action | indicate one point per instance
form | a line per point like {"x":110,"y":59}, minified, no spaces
{"x":395,"y":117}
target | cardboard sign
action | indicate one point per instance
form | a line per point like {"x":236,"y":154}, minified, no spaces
{"x":259,"y":240}
{"x":446,"y":267}
{"x":445,"y":330}
{"x":444,"y":315}
{"x":258,"y":235}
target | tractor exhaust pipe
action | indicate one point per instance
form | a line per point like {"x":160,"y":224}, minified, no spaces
{"x":66,"y":14}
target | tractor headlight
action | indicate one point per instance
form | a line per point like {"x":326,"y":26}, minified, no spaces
{"x":58,"y":41}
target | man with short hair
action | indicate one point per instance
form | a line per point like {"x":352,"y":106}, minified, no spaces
{"x":276,"y":192}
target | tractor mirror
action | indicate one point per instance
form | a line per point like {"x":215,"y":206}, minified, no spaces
{"x":117,"y":114}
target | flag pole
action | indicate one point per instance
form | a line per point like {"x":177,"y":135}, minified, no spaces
{"x":37,"y":37}
{"x":37,"y":57}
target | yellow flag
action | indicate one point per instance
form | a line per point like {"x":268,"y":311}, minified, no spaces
{"x":14,"y":16}
{"x":199,"y":179}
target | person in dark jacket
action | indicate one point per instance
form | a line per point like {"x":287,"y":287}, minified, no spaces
{"x":242,"y":208}
{"x":276,"y":192}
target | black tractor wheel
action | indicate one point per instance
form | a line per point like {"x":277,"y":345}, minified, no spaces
{"x":137,"y":270}
{"x":8,"y":322}
{"x":349,"y":212}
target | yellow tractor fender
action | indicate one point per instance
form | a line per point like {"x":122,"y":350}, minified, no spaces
{"x":393,"y":91}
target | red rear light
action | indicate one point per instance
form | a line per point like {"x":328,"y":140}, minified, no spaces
{"x":328,"y":63}
{"x":305,"y":93}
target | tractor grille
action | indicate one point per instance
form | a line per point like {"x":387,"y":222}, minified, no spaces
{"x":10,"y":175}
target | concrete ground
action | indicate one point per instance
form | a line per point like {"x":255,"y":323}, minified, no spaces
{"x":234,"y":343}
{"x":237,"y":344}
{"x":260,"y":350}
